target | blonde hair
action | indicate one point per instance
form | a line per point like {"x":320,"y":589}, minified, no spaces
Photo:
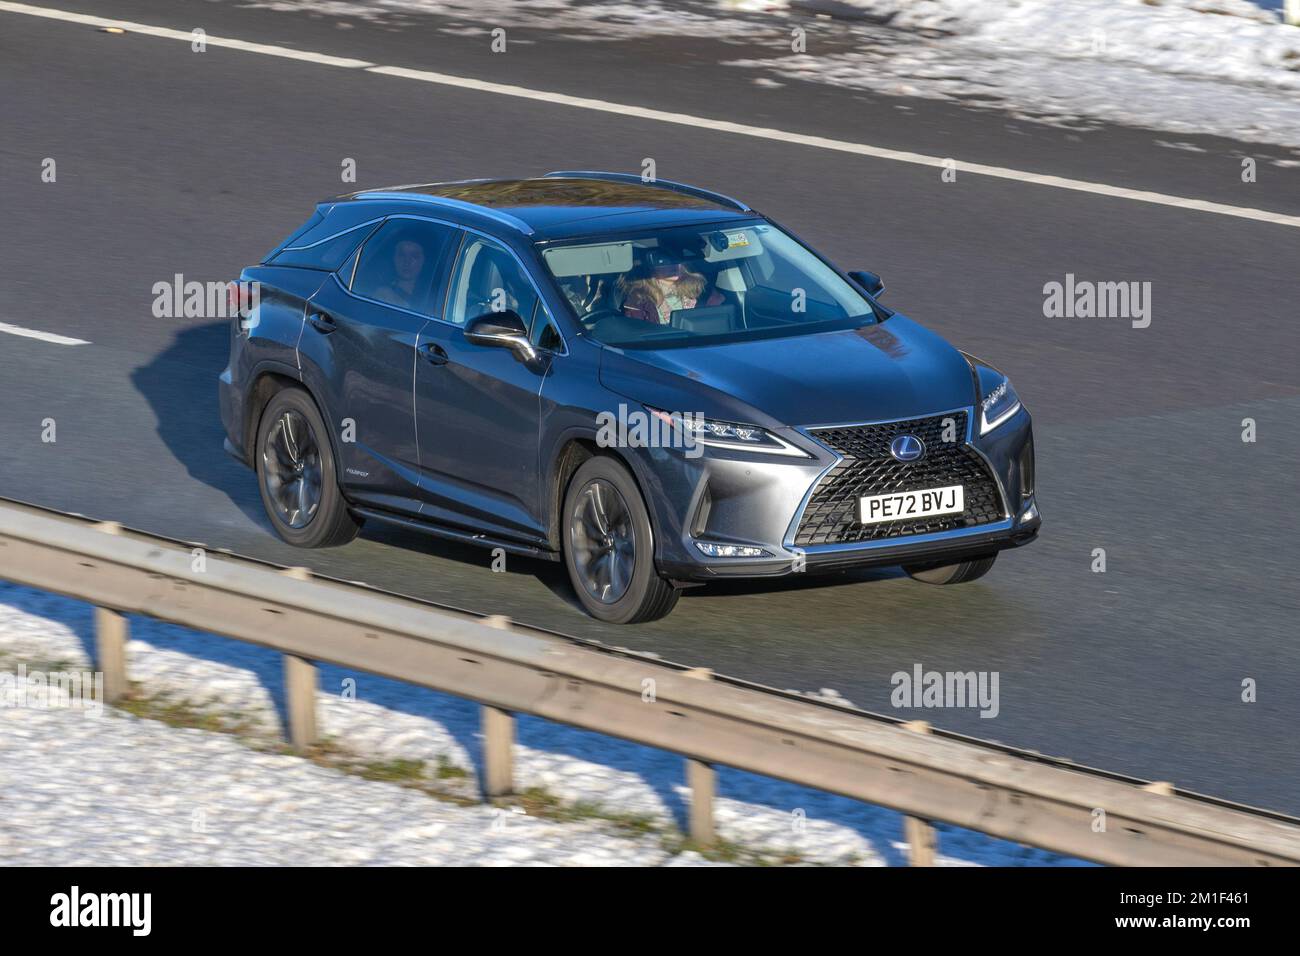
{"x":689,"y":285}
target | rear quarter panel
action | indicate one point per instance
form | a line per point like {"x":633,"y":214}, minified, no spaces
{"x":266,"y":340}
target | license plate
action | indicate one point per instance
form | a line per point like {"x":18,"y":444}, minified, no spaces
{"x":912,"y":504}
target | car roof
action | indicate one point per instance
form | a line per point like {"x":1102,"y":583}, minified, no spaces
{"x":565,"y":204}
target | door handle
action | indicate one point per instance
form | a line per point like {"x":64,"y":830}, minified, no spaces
{"x":322,"y":323}
{"x":434,"y":353}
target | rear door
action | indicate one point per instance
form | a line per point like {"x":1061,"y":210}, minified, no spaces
{"x":360,"y":341}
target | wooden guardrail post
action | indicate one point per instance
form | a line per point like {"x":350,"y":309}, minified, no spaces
{"x":498,"y":737}
{"x":702,"y":780}
{"x":300,"y":683}
{"x":919,"y":833}
{"x":111,"y":633}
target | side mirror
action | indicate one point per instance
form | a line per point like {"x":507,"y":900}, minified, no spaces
{"x":501,"y":329}
{"x":874,"y":285}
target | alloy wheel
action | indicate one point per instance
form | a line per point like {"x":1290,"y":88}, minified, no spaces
{"x":291,"y":464}
{"x":603,"y":540}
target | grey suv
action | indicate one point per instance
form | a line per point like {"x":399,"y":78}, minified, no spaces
{"x":650,"y":382}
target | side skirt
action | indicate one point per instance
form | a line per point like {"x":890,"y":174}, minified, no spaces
{"x":455,"y":534}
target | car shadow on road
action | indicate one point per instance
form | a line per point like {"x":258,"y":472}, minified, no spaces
{"x":551,"y":574}
{"x":180,"y":385}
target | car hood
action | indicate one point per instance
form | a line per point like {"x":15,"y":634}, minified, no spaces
{"x":895,"y":369}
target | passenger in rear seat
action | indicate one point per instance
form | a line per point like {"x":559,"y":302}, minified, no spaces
{"x":408,"y":263}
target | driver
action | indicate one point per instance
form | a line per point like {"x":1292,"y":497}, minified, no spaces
{"x":661,"y":286}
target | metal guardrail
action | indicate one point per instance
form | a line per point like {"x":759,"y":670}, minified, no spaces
{"x":510,"y":669}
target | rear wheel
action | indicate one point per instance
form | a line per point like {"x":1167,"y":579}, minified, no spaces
{"x":958,"y":573}
{"x":295,"y":471}
{"x":609,"y":546}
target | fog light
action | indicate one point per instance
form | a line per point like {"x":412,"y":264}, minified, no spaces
{"x":730,"y":550}
{"x":1031,"y":513}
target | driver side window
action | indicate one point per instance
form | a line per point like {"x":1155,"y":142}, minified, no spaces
{"x":488,"y":279}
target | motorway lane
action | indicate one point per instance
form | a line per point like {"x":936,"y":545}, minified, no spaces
{"x":162,"y":171}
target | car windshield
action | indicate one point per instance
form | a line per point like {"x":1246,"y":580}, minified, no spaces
{"x":701,"y":285}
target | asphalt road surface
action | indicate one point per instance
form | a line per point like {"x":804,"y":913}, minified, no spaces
{"x":170,"y":161}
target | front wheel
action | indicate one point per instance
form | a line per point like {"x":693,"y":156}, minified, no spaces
{"x":609,"y":546}
{"x":958,"y":573}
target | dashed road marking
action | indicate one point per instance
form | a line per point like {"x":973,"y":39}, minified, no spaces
{"x":43,"y":336}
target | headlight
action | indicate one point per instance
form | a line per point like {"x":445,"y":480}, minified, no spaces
{"x":732,"y":435}
{"x":998,"y":400}
{"x":997,"y":405}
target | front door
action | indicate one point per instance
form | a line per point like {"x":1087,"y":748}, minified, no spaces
{"x":477,"y":407}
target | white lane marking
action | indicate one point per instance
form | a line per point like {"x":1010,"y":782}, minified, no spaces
{"x":187,"y":36}
{"x":43,"y":336}
{"x":679,"y":119}
{"x":861,"y":149}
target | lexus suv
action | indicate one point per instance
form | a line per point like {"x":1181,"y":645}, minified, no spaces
{"x":648,"y":381}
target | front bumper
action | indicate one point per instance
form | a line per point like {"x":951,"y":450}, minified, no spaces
{"x":757,"y":501}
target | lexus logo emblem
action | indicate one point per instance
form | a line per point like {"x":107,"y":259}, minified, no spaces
{"x":907,"y":448}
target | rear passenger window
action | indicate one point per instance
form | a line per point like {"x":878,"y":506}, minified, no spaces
{"x":316,"y":219}
{"x":399,"y":264}
{"x":328,"y":254}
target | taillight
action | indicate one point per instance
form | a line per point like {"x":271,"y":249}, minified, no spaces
{"x":242,"y":297}
{"x":242,"y":300}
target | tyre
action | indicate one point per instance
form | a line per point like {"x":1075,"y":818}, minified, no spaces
{"x":958,"y":573}
{"x":609,"y":546}
{"x":296,"y":474}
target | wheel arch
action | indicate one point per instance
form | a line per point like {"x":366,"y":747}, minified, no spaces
{"x":269,"y":381}
{"x":576,"y":447}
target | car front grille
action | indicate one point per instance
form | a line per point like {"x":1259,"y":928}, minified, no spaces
{"x":867,"y":468}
